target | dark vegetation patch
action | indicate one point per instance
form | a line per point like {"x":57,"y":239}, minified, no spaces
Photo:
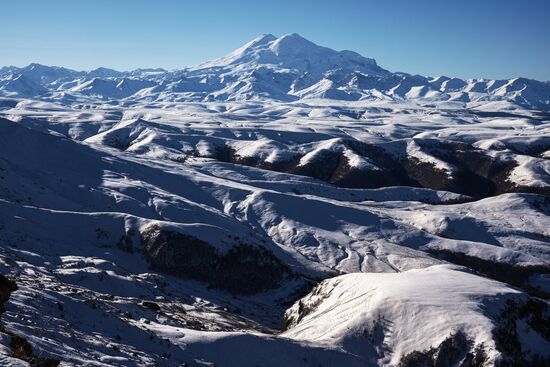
{"x":508,"y":273}
{"x":535,"y":313}
{"x":455,"y":350}
{"x":305,"y":307}
{"x":244,"y":269}
{"x":126,"y":242}
{"x":20,"y":347}
{"x":7,"y":286}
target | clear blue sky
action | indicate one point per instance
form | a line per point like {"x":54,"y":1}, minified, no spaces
{"x":466,"y":38}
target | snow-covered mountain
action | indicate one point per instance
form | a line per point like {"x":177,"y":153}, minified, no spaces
{"x":21,"y":86}
{"x":283,"y":69}
{"x":285,"y":205}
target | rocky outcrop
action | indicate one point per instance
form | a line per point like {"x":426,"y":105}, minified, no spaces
{"x":243,"y":269}
{"x":7,"y":286}
{"x":20,"y":348}
{"x":456,"y":350}
{"x":474,"y":172}
{"x":508,"y":335}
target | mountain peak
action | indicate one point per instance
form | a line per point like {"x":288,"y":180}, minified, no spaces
{"x":36,"y":66}
{"x":294,"y":36}
{"x":22,"y":86}
{"x":263,"y":38}
{"x":102,"y":69}
{"x":103,"y":72}
{"x":260,"y":40}
{"x":291,"y":52}
{"x":292,"y":42}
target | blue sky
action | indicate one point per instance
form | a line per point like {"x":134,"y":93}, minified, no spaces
{"x":483,"y":38}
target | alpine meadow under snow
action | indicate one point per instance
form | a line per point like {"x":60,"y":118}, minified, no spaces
{"x":284,"y":205}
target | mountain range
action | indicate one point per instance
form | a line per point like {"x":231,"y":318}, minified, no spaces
{"x":289,"y":68}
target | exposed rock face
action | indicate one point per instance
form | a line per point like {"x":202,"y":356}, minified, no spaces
{"x":508,"y":334}
{"x":244,"y":269}
{"x":456,"y":350}
{"x":474,"y":172}
{"x":21,"y":349}
{"x":370,"y":321}
{"x":305,"y":306}
{"x":6,"y":287}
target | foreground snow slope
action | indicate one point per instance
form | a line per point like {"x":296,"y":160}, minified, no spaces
{"x":384,"y":317}
{"x":80,"y":219}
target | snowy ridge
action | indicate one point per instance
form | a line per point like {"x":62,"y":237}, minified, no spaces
{"x":388,"y":311}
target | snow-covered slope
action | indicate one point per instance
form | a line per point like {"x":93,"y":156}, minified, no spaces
{"x":285,"y":205}
{"x":20,"y":86}
{"x":181,"y":207}
{"x":383,"y":318}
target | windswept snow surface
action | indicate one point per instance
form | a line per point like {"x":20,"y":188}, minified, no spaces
{"x":285,"y":205}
